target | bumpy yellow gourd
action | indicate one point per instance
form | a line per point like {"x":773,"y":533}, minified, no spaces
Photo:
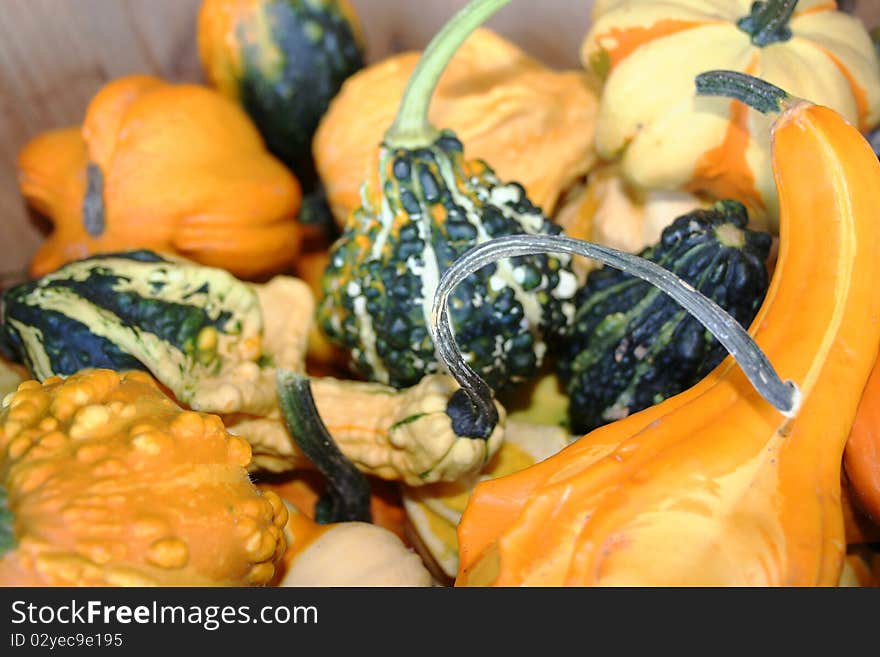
{"x":105,"y":481}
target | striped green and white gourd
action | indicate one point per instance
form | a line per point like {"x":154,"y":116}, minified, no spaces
{"x":181,"y":321}
{"x":423,"y":207}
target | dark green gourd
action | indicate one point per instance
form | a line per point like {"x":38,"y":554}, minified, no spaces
{"x":423,"y":207}
{"x":132,"y":310}
{"x":631,"y":346}
{"x":287,"y":60}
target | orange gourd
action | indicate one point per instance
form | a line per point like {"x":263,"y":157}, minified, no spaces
{"x":861,"y":459}
{"x":505,"y":107}
{"x":715,"y":486}
{"x":105,"y":481}
{"x":168,"y":167}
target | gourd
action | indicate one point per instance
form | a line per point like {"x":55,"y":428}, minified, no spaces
{"x":205,"y":335}
{"x":607,"y":210}
{"x":166,"y":167}
{"x":218,"y":343}
{"x":105,"y":481}
{"x":543,"y":400}
{"x":505,"y":107}
{"x":631,"y":346}
{"x":434,"y":511}
{"x":349,"y":554}
{"x":860,"y":529}
{"x":654,"y":48}
{"x":11,"y":374}
{"x":715,"y":486}
{"x":419,"y":436}
{"x":423,"y":205}
{"x":856,"y":573}
{"x":861,"y":458}
{"x":284,"y":61}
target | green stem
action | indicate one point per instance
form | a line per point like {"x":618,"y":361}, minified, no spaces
{"x":348,"y":497}
{"x":768,"y":21}
{"x":783,"y":395}
{"x":411,"y":128}
{"x":754,"y":92}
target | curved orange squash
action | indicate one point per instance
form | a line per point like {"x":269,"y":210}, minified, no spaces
{"x":168,"y":167}
{"x":714,"y":486}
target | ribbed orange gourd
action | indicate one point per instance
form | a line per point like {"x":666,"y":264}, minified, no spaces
{"x":105,"y":481}
{"x":714,"y":486}
{"x":167,"y":167}
{"x":506,"y":107}
{"x":648,"y":52}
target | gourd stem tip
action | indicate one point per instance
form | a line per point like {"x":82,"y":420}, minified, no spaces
{"x":768,"y":21}
{"x":794,"y":400}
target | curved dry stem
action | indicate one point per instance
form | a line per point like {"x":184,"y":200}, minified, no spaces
{"x":783,"y":395}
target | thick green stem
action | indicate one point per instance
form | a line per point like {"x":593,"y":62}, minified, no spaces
{"x":768,"y":21}
{"x":754,"y":92}
{"x":782,"y":395}
{"x":411,"y":128}
{"x":348,"y":497}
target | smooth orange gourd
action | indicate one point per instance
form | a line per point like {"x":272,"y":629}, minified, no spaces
{"x":861,"y":459}
{"x":105,"y":481}
{"x":714,"y":486}
{"x":169,"y":167}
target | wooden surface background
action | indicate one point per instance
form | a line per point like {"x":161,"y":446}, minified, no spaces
{"x":55,"y":54}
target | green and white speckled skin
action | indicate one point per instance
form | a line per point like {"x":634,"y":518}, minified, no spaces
{"x":427,"y":207}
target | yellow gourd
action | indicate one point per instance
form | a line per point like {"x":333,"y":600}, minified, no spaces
{"x":105,"y":481}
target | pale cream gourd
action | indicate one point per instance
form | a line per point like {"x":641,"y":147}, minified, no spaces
{"x":348,"y":554}
{"x":648,"y":52}
{"x":608,"y":210}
